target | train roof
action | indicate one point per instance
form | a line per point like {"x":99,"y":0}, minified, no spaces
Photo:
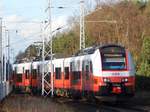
{"x":111,"y":45}
{"x":91,"y":50}
{"x":86,"y":51}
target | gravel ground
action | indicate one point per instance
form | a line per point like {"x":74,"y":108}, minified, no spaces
{"x":28,"y":103}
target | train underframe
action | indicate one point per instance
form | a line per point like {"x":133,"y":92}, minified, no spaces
{"x":104,"y":91}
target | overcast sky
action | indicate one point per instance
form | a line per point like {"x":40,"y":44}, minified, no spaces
{"x":17,"y":14}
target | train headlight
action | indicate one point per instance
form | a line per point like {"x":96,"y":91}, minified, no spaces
{"x":106,"y":80}
{"x":125,"y":80}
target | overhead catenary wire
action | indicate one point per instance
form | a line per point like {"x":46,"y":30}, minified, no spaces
{"x":37,"y":34}
{"x":38,"y":22}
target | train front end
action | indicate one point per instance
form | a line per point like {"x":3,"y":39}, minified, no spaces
{"x":117,"y":72}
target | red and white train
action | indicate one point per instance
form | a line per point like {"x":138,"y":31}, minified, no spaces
{"x":97,"y":71}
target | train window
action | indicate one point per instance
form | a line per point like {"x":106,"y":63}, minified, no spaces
{"x":7,"y":72}
{"x":87,"y":72}
{"x":66,"y":72}
{"x":113,"y":58}
{"x":19,"y":77}
{"x":76,"y":75}
{"x":71,"y":66}
{"x":34,"y":74}
{"x":23,"y":69}
{"x":15,"y":70}
{"x":83,"y":65}
{"x":13,"y":75}
{"x":91,"y":67}
{"x":38,"y":70}
{"x":87,"y":68}
{"x":27,"y":74}
{"x":75,"y":66}
{"x":58,"y":73}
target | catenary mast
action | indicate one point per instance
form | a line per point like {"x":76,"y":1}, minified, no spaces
{"x":82,"y":25}
{"x":45,"y":83}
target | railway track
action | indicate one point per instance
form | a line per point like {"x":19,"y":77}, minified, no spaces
{"x":126,"y":108}
{"x":61,"y":104}
{"x":103,"y":106}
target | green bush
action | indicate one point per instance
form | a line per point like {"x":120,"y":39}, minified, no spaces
{"x":144,"y":68}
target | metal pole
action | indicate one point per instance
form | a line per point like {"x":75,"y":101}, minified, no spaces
{"x":12,"y":51}
{"x":43,"y":60}
{"x":51,"y":48}
{"x":46,"y":82}
{"x":1,"y":53}
{"x":8,"y":55}
{"x":82,"y":26}
{"x":5,"y":55}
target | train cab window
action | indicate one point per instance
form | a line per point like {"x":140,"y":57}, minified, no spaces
{"x":27,"y":74}
{"x":19,"y":77}
{"x":34,"y":74}
{"x":113,"y":58}
{"x":66,"y":72}
{"x":58,"y":73}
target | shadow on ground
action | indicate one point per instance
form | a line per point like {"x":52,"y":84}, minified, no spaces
{"x":142,"y":96}
{"x":142,"y":83}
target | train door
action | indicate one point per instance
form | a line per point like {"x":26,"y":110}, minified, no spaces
{"x":23,"y":79}
{"x":39,"y":78}
{"x":19,"y":78}
{"x":87,"y":81}
{"x":34,"y":78}
{"x":15,"y":76}
{"x":66,"y":77}
{"x":27,"y":80}
{"x":75,"y":76}
{"x":58,"y":77}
